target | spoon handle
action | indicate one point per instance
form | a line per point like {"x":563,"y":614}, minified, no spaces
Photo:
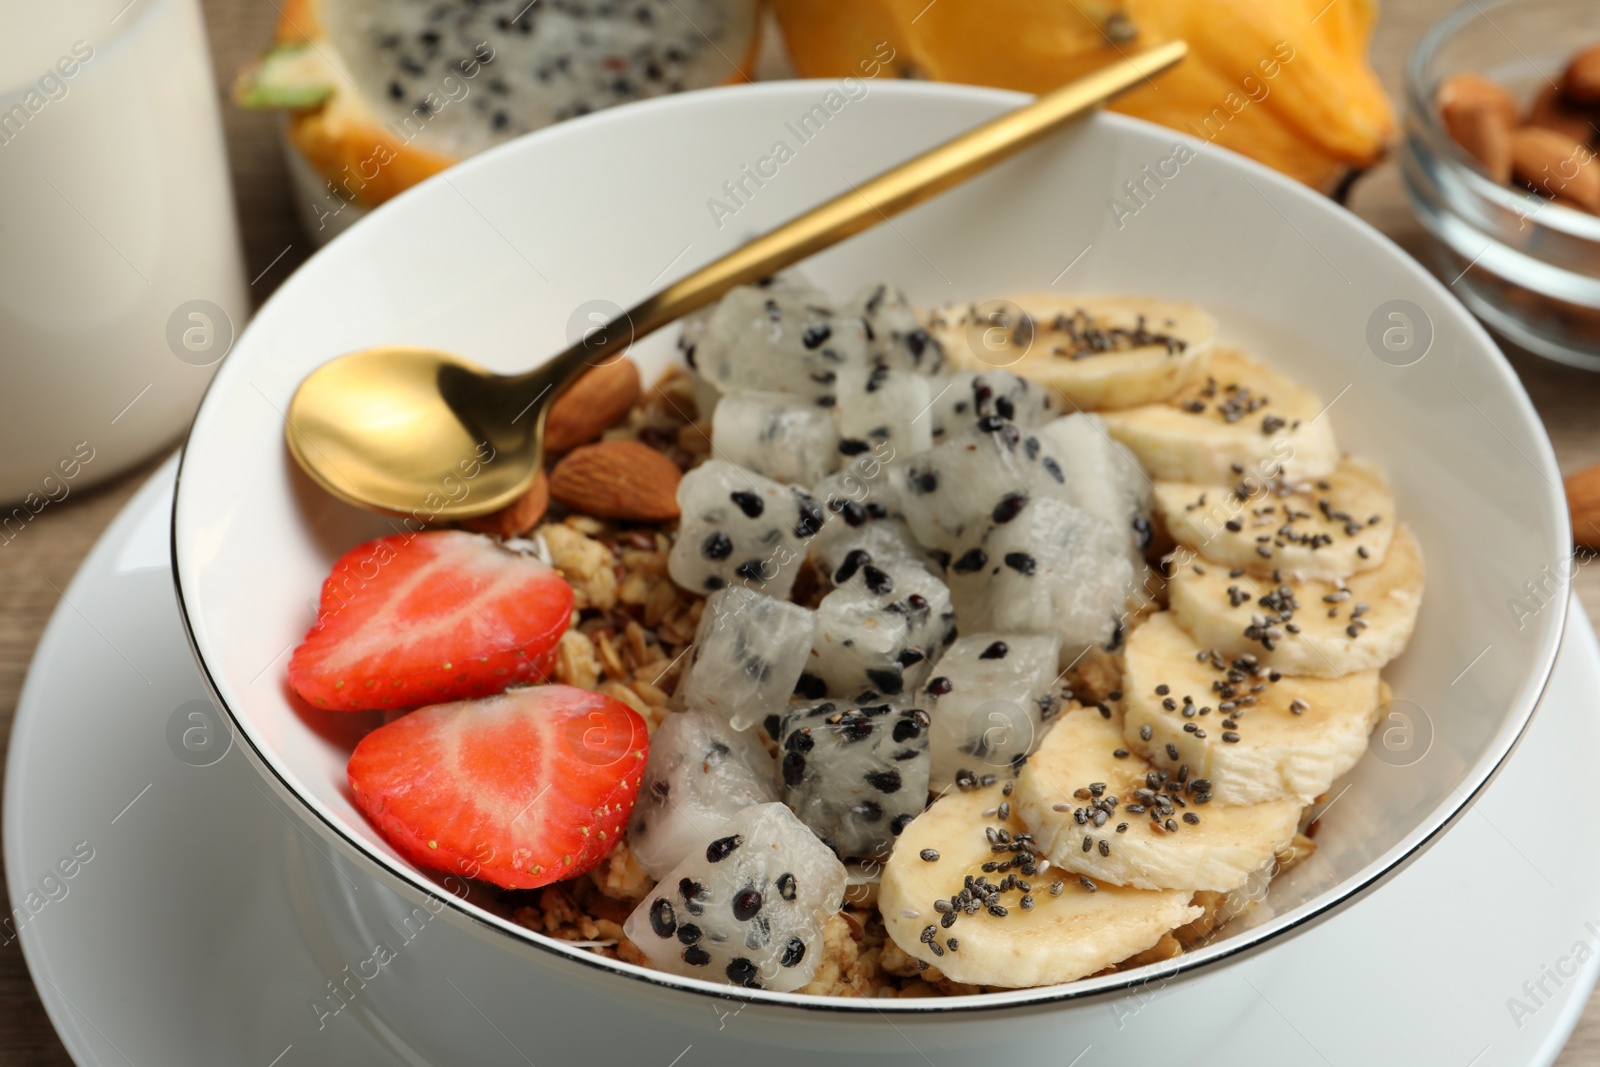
{"x":864,"y":206}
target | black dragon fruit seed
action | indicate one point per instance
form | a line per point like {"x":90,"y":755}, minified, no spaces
{"x":662,"y":919}
{"x":750,"y":503}
{"x":746,"y":904}
{"x":717,"y":546}
{"x":722,"y":848}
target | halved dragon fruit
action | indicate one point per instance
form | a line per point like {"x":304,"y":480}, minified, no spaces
{"x":856,"y":772}
{"x":1050,"y":568}
{"x":1103,"y":477}
{"x":739,"y":528}
{"x":885,"y":412}
{"x":886,"y":621}
{"x":780,"y":435}
{"x":979,"y":476}
{"x":780,"y":340}
{"x":701,"y":773}
{"x":746,"y":907}
{"x":748,"y":655}
{"x":895,"y":336}
{"x":448,"y":78}
{"x":963,"y":399}
{"x":989,"y":700}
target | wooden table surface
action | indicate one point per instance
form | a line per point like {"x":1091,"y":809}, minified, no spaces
{"x":36,"y":566}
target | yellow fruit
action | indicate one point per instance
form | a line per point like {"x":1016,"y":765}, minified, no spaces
{"x":1283,"y":81}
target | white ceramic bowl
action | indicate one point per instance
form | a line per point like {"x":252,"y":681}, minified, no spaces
{"x":491,"y":259}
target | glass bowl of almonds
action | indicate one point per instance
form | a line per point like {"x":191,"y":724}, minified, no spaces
{"x":1499,"y":161}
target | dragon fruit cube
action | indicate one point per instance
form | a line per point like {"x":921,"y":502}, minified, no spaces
{"x":693,"y":328}
{"x":961,"y":400}
{"x":748,"y":655}
{"x":700,"y":774}
{"x":978,"y":476}
{"x":895,"y":336}
{"x":707,"y":398}
{"x":780,"y":340}
{"x":739,"y":528}
{"x":746,"y":906}
{"x":1103,"y":477}
{"x":1051,"y":568}
{"x":886,"y":621}
{"x":989,"y":700}
{"x":884,"y":539}
{"x":866,"y":482}
{"x":887,"y":411}
{"x":787,"y":438}
{"x":856,"y":773}
{"x":860,"y":496}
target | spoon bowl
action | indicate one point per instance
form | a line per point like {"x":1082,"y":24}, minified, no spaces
{"x":410,"y":431}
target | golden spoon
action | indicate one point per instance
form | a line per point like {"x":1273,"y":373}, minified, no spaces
{"x":415,"y":431}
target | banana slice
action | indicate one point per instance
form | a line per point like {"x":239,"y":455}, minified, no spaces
{"x":1061,"y":934}
{"x":1099,"y":353}
{"x":1160,"y":831}
{"x":1254,"y":735}
{"x":1304,"y":624}
{"x":1318,"y":525}
{"x":1238,"y":419}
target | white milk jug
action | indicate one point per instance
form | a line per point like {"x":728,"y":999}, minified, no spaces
{"x":121,"y":278}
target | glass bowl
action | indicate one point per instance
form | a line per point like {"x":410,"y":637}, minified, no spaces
{"x":1528,"y":267}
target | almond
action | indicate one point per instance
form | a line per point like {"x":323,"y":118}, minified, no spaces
{"x":1551,"y":163}
{"x":1551,"y":112}
{"x":517,"y":518}
{"x":1486,"y":136}
{"x":1582,"y":80}
{"x":1479,"y":116}
{"x":618,"y":480}
{"x":1474,"y":92}
{"x":591,"y":405}
{"x":1583,"y":502}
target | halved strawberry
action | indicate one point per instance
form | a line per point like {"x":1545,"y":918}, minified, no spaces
{"x":521,"y":789}
{"x":414,"y":619}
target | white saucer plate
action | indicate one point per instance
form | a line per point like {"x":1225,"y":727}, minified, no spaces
{"x":186,"y":931}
